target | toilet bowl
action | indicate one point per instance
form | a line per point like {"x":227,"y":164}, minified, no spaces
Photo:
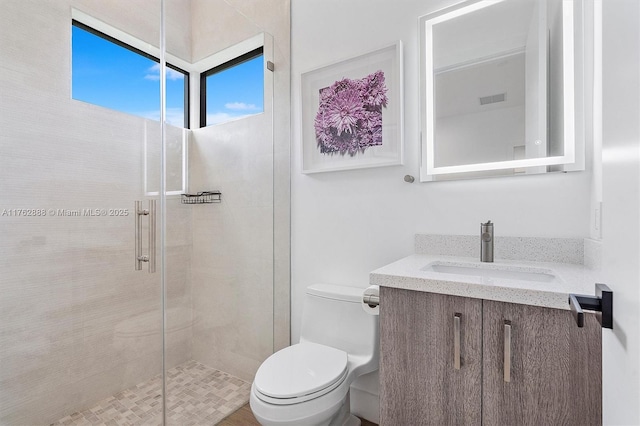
{"x":308,"y":383}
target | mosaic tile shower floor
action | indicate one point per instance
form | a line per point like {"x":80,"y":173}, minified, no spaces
{"x":196,"y":395}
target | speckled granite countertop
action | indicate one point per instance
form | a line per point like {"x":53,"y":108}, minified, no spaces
{"x":409,"y":274}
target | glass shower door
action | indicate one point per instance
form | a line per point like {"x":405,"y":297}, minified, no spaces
{"x":80,"y":327}
{"x":90,"y":331}
{"x":220,"y":272}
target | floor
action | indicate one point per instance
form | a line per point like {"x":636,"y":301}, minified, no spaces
{"x":196,"y":395}
{"x":244,"y":417}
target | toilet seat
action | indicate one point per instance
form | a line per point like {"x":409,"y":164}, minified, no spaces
{"x":300,"y":373}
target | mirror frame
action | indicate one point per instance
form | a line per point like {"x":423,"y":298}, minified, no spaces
{"x":428,"y":170}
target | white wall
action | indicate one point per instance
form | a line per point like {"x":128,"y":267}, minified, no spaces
{"x":499,"y":129}
{"x":345,"y":224}
{"x":621,"y":208}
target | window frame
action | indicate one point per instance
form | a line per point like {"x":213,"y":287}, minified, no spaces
{"x":252,"y":54}
{"x":107,"y":37}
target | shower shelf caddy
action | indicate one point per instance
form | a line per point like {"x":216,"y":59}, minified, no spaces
{"x":205,"y":197}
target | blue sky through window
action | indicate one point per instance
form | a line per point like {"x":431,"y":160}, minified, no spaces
{"x":109,"y":75}
{"x":235,"y":92}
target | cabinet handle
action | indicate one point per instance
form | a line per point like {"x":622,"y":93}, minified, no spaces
{"x":456,"y":341}
{"x":507,"y":351}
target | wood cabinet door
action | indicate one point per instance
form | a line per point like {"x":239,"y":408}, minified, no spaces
{"x":419,"y":384}
{"x":556,"y":367}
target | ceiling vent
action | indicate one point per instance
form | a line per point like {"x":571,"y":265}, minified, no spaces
{"x":486,"y":100}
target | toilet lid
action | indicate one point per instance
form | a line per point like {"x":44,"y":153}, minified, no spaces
{"x":300,"y":370}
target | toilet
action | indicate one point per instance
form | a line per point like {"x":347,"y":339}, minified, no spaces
{"x":308,"y":383}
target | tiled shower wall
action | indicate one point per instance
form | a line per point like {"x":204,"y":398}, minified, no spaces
{"x":71,"y":301}
{"x":240,"y":273}
{"x":233,"y":246}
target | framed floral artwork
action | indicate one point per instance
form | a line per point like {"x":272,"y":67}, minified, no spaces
{"x":352,"y":113}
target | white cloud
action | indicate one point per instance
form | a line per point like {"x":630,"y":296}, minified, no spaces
{"x":154,"y":73}
{"x":240,"y":106}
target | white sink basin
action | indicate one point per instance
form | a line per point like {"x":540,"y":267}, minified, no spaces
{"x":507,"y":272}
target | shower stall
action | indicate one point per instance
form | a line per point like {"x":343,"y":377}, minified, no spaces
{"x":144,"y":269}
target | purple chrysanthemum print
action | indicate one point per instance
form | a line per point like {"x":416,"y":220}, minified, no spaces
{"x":349,"y":117}
{"x":344,"y":111}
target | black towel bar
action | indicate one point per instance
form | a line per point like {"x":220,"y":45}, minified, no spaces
{"x":601,"y":302}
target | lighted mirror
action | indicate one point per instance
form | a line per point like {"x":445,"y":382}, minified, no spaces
{"x":498,"y":80}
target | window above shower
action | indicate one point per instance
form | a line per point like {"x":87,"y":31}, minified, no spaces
{"x":113,"y":74}
{"x":233,"y":90}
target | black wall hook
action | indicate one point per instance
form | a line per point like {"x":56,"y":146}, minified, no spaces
{"x":602,"y":302}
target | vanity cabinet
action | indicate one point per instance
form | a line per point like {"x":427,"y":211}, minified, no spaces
{"x":551,"y":373}
{"x":419,"y":381}
{"x":556,"y":367}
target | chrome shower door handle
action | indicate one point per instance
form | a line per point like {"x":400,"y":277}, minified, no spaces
{"x":152,"y":236}
{"x":138,"y":235}
{"x":139,"y":257}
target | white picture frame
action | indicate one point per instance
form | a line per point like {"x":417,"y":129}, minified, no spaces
{"x":344,"y":132}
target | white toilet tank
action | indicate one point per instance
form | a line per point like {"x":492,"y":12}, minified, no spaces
{"x":333,"y":316}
